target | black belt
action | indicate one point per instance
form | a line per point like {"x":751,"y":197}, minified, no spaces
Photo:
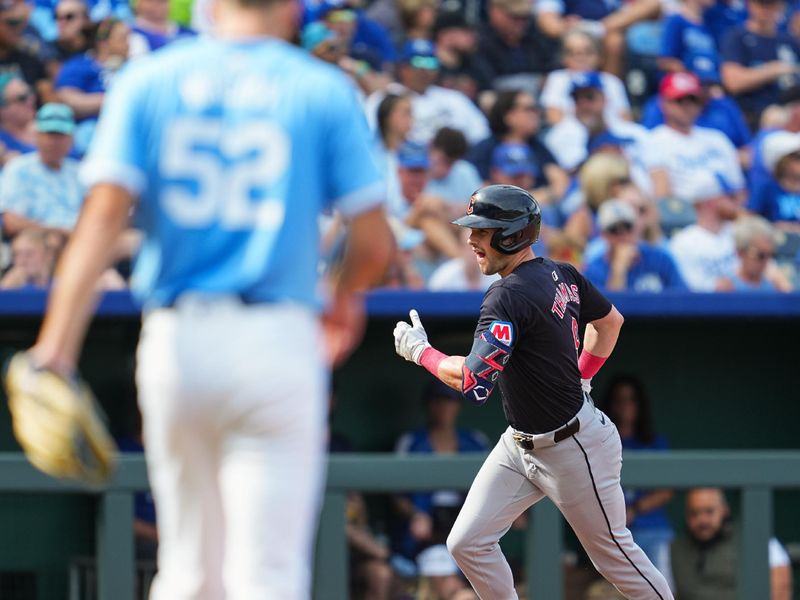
{"x":245,"y":299}
{"x":526,"y":440}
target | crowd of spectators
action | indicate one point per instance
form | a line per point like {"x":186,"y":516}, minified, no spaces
{"x":660,"y":137}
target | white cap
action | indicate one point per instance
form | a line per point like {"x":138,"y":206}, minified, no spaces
{"x":777,"y":145}
{"x":435,"y":561}
{"x":612,"y":212}
{"x":704,"y":185}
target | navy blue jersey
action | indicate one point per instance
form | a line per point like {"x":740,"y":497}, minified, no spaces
{"x":751,"y":50}
{"x":538,"y":311}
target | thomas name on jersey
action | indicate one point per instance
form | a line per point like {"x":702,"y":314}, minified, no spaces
{"x":564,"y":294}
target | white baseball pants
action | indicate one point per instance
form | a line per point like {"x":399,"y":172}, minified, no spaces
{"x":234,"y":406}
{"x":581,"y":475}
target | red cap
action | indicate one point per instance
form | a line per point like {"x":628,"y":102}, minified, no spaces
{"x":679,"y":85}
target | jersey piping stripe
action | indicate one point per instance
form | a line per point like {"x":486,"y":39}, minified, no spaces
{"x":608,"y":523}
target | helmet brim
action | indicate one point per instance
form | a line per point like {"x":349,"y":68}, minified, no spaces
{"x":479,"y":222}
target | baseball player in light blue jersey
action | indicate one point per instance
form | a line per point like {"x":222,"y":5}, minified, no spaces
{"x":228,"y":148}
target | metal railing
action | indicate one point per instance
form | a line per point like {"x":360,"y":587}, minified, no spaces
{"x":756,"y":474}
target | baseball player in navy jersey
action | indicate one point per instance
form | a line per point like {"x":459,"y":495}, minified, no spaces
{"x":230,"y":146}
{"x":557,"y":444}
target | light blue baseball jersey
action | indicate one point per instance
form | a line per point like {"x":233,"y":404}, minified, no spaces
{"x":233,"y":148}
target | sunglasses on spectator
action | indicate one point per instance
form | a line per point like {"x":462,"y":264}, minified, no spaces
{"x":761,"y":255}
{"x":70,"y":16}
{"x":326,"y":48}
{"x":527,"y":107}
{"x":517,"y":16}
{"x":13,"y":21}
{"x":620,"y":228}
{"x":695,"y":100}
{"x":589,"y":95}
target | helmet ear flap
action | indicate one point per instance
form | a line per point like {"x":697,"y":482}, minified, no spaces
{"x":514,"y":242}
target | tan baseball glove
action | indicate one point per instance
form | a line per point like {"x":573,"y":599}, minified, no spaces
{"x":57,"y":423}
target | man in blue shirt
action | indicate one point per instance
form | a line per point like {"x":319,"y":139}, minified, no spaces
{"x":228,"y":147}
{"x":84,"y":79}
{"x":630,"y":264}
{"x":758,"y":60}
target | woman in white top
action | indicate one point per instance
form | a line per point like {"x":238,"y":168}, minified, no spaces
{"x":581,"y":53}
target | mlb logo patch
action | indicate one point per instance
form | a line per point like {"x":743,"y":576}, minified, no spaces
{"x":503,"y":331}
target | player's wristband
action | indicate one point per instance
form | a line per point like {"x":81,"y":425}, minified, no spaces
{"x":589,"y":364}
{"x":430,"y":359}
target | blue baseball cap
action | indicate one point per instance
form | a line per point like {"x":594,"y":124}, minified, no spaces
{"x":585,"y":81}
{"x":420,"y":54}
{"x":606,"y":138}
{"x":412,"y":155}
{"x":514,"y":159}
{"x":315,"y":34}
{"x":435,"y":390}
{"x":55,"y":118}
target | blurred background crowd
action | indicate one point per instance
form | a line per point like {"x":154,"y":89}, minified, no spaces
{"x":661,"y":137}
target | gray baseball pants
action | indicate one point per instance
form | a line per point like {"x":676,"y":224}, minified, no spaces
{"x":581,"y":475}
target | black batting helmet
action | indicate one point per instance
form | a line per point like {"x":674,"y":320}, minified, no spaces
{"x":509,"y":209}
